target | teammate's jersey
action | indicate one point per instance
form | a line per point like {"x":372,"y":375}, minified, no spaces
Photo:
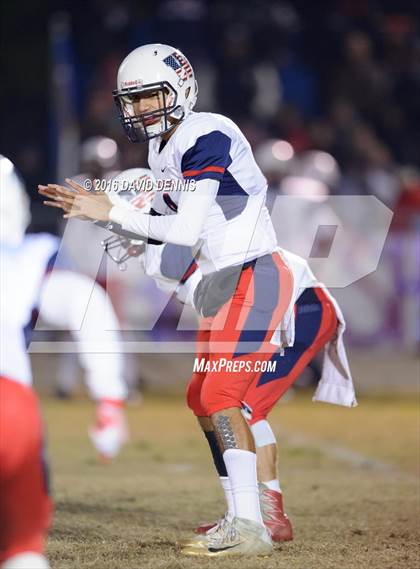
{"x":210,"y":146}
{"x":22,"y":271}
{"x":173,"y":269}
{"x":173,"y":266}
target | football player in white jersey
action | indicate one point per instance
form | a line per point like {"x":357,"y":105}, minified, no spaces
{"x":28,"y":282}
{"x":43,"y":280}
{"x":317,"y":324}
{"x":215,"y":204}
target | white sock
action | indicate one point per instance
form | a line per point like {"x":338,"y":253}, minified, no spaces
{"x":26,"y":560}
{"x":273,"y":485}
{"x":225,"y":482}
{"x":242,"y":470}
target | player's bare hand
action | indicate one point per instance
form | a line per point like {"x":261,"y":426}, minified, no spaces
{"x":94,"y":206}
{"x":60,"y":196}
{"x":77,"y":202}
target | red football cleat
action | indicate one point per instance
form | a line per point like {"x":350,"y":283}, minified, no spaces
{"x":275,"y":519}
{"x":206,"y":527}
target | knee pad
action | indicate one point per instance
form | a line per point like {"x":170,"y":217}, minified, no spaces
{"x":263,"y":434}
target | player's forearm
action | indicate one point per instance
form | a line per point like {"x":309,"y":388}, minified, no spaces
{"x":104,"y":372}
{"x":83,"y":314}
{"x":168,"y":229}
{"x":182,"y":228}
{"x":104,"y":376}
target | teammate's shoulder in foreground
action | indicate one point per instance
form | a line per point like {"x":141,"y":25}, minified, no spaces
{"x":35,"y":249}
{"x":40,"y":248}
{"x":41,"y":240}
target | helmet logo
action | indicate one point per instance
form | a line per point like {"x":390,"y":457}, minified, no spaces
{"x":180,"y":65}
{"x":132,"y":83}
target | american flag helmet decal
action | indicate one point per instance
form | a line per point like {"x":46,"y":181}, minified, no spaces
{"x":180,"y":65}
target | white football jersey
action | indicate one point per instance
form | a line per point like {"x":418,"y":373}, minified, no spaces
{"x":22,"y":272}
{"x":211,"y":146}
{"x":174,"y":270}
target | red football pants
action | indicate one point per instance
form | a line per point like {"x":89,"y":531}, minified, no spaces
{"x":315,"y":325}
{"x":25,"y":508}
{"x":237,"y":339}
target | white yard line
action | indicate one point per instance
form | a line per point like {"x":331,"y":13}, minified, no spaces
{"x":344,"y":454}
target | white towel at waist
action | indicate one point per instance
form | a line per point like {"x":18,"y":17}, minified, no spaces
{"x":336,"y":383}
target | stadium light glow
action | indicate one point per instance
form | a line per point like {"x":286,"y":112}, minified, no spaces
{"x":324,"y":162}
{"x":282,"y":150}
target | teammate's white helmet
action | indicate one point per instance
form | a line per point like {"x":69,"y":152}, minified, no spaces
{"x":154,"y":68}
{"x":317,"y":165}
{"x":14,"y":204}
{"x":132,"y":189}
{"x":274,"y":156}
{"x":100,"y":151}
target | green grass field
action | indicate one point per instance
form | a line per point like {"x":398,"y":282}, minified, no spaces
{"x":350,"y":478}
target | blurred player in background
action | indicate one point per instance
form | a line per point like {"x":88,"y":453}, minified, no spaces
{"x":225,"y":221}
{"x":99,"y":160}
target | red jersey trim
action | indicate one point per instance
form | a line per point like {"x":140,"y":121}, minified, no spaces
{"x":206,"y":169}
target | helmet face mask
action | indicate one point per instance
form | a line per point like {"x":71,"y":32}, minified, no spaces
{"x":154,"y":70}
{"x":121,"y":249}
{"x":144,"y":126}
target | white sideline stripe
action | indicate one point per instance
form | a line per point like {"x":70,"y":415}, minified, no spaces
{"x":344,"y":454}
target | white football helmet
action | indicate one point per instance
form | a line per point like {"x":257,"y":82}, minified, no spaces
{"x":99,"y":152}
{"x":149,"y":69}
{"x":274,"y":156}
{"x":15,"y":214}
{"x":317,"y":165}
{"x":132,"y":189}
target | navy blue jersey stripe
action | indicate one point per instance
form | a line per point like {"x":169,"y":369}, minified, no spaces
{"x":175,"y":261}
{"x":209,"y":150}
{"x":169,"y":202}
{"x":307,"y":325}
